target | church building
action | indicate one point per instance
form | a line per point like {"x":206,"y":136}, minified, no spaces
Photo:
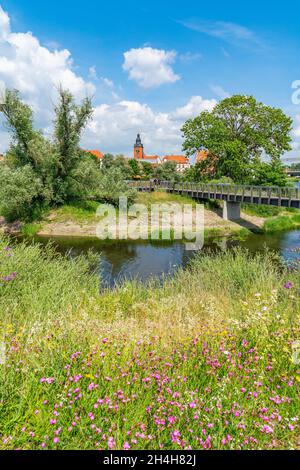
{"x":182,"y":162}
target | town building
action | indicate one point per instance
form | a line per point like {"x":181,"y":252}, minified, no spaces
{"x":182,"y":162}
{"x":96,"y":153}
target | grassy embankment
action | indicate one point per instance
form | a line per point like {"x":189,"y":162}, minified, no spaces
{"x":83,"y":214}
{"x":81,"y":217}
{"x":203,"y":362}
{"x":277,"y":218}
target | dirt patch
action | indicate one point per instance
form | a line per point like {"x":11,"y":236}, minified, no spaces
{"x":212,"y":220}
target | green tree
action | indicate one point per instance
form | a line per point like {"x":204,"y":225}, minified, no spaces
{"x":269,"y":174}
{"x":107,"y":161}
{"x":147,"y":170}
{"x":112,"y":185}
{"x":69,"y":123}
{"x":20,"y":191}
{"x":135,"y":168}
{"x":167,"y":172}
{"x":238,"y":133}
{"x":58,"y":169}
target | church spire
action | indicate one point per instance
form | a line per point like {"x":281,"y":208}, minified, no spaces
{"x":138,"y":142}
{"x":138,"y":151}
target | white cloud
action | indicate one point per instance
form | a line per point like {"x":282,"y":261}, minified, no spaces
{"x":115,"y":126}
{"x":190,"y":56}
{"x":219,"y":91}
{"x":4,"y":24}
{"x":107,"y":82}
{"x":36,"y":71}
{"x":93,"y":73}
{"x":150,"y":67}
{"x":231,"y":33}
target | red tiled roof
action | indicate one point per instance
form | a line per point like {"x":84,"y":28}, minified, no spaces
{"x":96,"y":153}
{"x":201,"y":155}
{"x":176,"y":158}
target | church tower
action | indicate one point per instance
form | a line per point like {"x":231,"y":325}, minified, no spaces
{"x":138,"y":148}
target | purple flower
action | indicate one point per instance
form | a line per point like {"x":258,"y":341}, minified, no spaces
{"x":288,"y":285}
{"x":9,"y":278}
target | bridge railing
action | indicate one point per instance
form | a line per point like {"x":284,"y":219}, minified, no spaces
{"x":269,"y":192}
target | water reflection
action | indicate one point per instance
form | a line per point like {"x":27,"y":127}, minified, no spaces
{"x":145,"y":260}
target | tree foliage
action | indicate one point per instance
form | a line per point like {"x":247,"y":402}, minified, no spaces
{"x":238,"y":134}
{"x":167,"y":172}
{"x":57,"y":169}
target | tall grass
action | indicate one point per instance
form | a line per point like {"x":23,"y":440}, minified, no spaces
{"x":203,"y":361}
{"x":282,"y":222}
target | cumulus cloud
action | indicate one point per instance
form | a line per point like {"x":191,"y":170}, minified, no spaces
{"x":219,"y":91}
{"x":36,"y":71}
{"x":150,"y":67}
{"x":115,"y":126}
{"x":4,"y":24}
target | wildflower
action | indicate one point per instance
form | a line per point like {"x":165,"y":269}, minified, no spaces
{"x":126,"y":446}
{"x":111,"y":443}
{"x":288,"y":285}
{"x":267,"y":429}
{"x":9,"y":278}
{"x":56,"y":440}
{"x":172,"y":419}
{"x":48,"y":380}
{"x":175,"y":436}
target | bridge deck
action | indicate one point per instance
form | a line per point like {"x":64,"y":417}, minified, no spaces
{"x":271,"y":195}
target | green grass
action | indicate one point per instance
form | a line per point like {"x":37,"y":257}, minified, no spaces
{"x":161,"y":197}
{"x":80,"y":212}
{"x":31,"y":229}
{"x":265,"y":211}
{"x":202,"y":361}
{"x":282,"y":222}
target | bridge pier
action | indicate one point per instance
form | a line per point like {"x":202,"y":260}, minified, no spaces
{"x":231,"y":210}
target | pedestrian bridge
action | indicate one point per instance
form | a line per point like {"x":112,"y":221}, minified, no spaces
{"x":232,"y":195}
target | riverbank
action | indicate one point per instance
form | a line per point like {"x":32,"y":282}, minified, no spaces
{"x":80,"y":220}
{"x":204,"y":361}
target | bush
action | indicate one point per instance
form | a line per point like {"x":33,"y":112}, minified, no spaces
{"x":20,"y":193}
{"x":112,"y":185}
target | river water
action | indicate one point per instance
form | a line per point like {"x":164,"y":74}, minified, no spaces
{"x":121,"y":260}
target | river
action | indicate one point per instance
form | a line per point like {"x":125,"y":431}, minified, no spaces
{"x":121,"y":260}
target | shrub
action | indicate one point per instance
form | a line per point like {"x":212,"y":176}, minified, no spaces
{"x":20,"y":193}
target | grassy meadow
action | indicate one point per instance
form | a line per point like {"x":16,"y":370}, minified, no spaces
{"x":202,"y":362}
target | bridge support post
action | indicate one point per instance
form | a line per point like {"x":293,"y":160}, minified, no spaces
{"x":231,"y":210}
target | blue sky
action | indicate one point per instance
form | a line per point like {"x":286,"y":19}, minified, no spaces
{"x":149,"y":65}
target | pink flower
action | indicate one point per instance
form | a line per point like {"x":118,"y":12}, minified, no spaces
{"x":175,"y":435}
{"x":172,"y":419}
{"x":56,"y":440}
{"x":267,"y":429}
{"x":126,"y":446}
{"x":111,"y":443}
